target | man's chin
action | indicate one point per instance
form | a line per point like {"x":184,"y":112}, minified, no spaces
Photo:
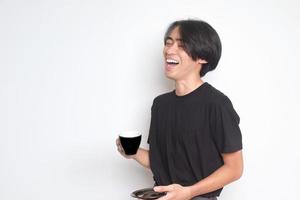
{"x":170,"y":76}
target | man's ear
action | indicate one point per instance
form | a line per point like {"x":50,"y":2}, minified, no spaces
{"x":201,"y":61}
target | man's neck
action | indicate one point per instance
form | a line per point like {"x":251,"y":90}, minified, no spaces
{"x":184,"y":87}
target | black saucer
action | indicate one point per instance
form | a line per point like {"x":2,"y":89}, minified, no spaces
{"x":147,"y":193}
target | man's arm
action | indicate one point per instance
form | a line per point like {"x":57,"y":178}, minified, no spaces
{"x":142,"y":157}
{"x":229,"y":172}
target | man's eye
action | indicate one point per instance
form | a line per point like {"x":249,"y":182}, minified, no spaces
{"x":180,"y":45}
{"x":168,"y":43}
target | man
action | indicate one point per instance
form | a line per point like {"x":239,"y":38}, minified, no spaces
{"x":195,"y":143}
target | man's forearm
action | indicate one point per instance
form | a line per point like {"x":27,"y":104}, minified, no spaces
{"x":142,"y":157}
{"x":221,"y":177}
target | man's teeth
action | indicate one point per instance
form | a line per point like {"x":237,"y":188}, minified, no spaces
{"x":170,"y":61}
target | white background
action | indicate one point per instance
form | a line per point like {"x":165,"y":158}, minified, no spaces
{"x":75,"y":73}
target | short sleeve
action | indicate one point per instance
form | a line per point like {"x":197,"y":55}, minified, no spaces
{"x":224,"y":123}
{"x":152,"y":122}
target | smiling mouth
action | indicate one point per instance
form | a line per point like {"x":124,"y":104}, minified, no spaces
{"x":172,"y":62}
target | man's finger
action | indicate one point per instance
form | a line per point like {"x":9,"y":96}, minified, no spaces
{"x":167,"y":188}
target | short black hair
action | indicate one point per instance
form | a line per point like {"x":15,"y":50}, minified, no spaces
{"x":200,"y":40}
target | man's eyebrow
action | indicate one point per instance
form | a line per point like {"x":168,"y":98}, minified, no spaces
{"x":177,"y":39}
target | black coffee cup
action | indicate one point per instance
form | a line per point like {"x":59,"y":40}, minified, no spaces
{"x":130,"y":141}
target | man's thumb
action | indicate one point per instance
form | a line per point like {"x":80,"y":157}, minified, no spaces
{"x":158,"y":188}
{"x":161,"y":188}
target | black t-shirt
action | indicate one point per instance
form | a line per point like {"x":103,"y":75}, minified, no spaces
{"x":188,"y":134}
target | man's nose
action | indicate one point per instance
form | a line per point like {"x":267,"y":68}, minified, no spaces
{"x":171,"y":49}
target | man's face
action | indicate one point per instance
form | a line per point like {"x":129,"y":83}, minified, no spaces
{"x":178,"y":64}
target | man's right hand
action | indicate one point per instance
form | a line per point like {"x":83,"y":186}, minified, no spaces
{"x":142,"y":155}
{"x":121,"y":150}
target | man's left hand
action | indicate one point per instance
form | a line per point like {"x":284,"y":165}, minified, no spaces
{"x":174,"y":192}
